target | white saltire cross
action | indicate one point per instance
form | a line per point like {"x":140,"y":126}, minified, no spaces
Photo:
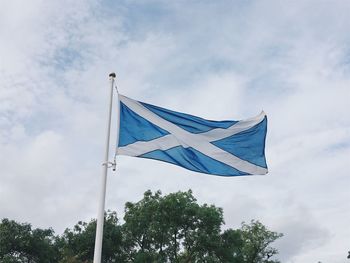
{"x":200,"y":142}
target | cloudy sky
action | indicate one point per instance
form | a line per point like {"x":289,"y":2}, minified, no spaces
{"x":215,"y":59}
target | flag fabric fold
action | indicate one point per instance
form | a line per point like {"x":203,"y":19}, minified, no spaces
{"x":226,"y":148}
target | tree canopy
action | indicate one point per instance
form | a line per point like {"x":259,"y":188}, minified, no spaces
{"x":21,"y":243}
{"x":158,"y":228}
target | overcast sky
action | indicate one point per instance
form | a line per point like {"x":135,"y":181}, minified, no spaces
{"x":215,"y":59}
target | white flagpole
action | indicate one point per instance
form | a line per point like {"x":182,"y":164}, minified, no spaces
{"x":101,"y":208}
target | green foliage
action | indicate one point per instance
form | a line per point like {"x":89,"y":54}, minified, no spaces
{"x":21,"y":243}
{"x":231,"y":246}
{"x":171,"y":228}
{"x":256,"y":243}
{"x":77,"y":245}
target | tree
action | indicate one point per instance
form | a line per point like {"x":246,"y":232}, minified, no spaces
{"x":171,"y":228}
{"x":21,"y":243}
{"x":175,"y":228}
{"x":77,"y":245}
{"x":256,"y":243}
{"x":231,"y":246}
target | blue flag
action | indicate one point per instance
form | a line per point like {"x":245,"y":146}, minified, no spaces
{"x":226,"y":148}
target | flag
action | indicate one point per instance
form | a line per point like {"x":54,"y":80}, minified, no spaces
{"x":226,"y":148}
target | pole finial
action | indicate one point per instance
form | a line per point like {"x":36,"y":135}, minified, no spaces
{"x":112,"y":75}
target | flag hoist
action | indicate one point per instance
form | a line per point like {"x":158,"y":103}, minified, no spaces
{"x":224,"y":148}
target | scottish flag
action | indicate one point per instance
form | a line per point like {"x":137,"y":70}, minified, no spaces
{"x":226,"y":148}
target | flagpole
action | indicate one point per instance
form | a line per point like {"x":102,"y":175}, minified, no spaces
{"x":101,"y":208}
